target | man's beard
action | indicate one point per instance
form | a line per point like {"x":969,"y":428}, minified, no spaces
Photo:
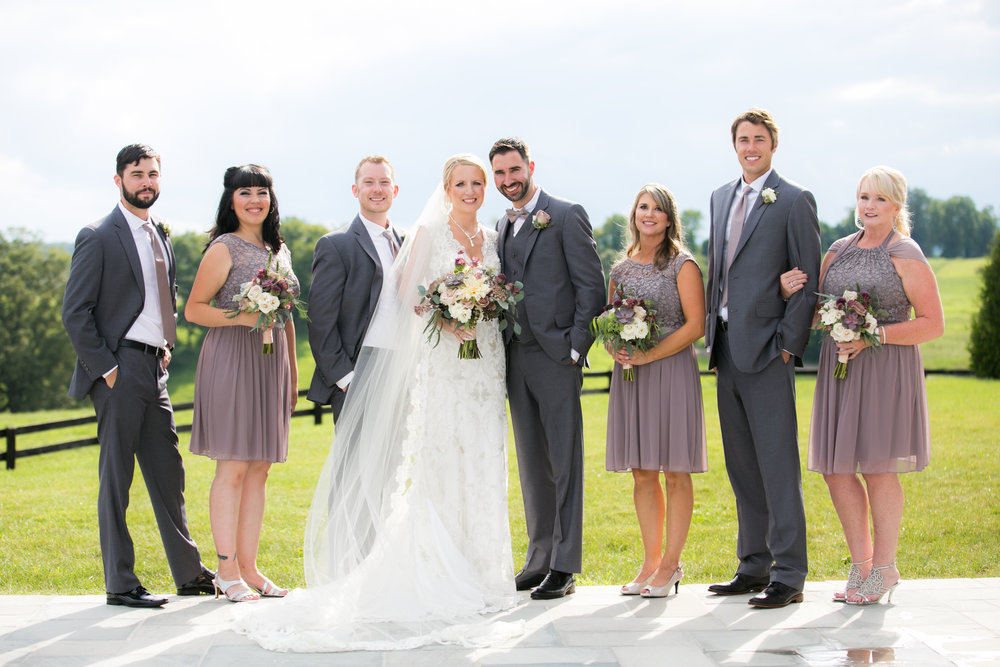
{"x":525,"y":189}
{"x":133,"y":197}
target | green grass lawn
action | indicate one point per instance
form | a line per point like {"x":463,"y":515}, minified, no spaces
{"x":48,"y":520}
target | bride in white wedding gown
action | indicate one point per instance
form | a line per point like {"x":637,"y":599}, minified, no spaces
{"x":407,"y":541}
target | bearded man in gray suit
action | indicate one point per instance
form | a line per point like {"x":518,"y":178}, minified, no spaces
{"x":347,"y":276}
{"x":547,"y":243}
{"x":120,"y":313}
{"x":762,"y":226}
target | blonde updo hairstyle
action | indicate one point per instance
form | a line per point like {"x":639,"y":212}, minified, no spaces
{"x":674,"y":239}
{"x":891,"y":184}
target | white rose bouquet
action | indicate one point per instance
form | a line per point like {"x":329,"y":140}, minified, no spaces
{"x":272,"y":295}
{"x":849,"y":317}
{"x":627,"y":322}
{"x":470,"y":294}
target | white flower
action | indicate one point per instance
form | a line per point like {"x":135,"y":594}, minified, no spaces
{"x":850,"y":295}
{"x":268,"y":303}
{"x":842,"y":334}
{"x":254,"y":293}
{"x":635,"y":330}
{"x":768,"y":195}
{"x":830,"y":316}
{"x":870,"y":323}
{"x":460,"y":312}
{"x":473,"y":289}
{"x":640,"y":312}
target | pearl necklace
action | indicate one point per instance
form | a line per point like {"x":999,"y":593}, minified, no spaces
{"x":471,"y":237}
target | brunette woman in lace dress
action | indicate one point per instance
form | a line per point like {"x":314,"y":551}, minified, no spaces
{"x":243,"y":399}
{"x":874,"y":423}
{"x":656,"y":424}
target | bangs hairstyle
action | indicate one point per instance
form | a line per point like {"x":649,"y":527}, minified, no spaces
{"x":891,"y":184}
{"x":673,"y":242}
{"x":462,"y":159}
{"x":247,"y":176}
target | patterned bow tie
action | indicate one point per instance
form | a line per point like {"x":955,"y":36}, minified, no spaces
{"x":515,"y":213}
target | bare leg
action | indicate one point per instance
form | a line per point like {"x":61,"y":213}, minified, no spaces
{"x":680,"y":507}
{"x":886,"y":496}
{"x":850,"y":499}
{"x":224,"y":506}
{"x":251,"y":519}
{"x":648,"y":498}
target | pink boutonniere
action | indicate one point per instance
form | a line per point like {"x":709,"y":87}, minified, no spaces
{"x":541,"y":220}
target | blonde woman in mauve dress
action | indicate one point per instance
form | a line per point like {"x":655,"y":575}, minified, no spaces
{"x":243,"y":399}
{"x":656,"y":423}
{"x":874,"y":423}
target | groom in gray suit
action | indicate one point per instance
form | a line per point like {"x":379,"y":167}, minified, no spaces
{"x":762,"y":226}
{"x":347,"y":273}
{"x":547,"y":244}
{"x":119,"y":311}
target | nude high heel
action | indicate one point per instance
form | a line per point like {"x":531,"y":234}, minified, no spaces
{"x":664,"y":591}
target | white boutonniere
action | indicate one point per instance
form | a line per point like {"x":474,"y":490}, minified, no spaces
{"x":541,"y":220}
{"x":164,"y":227}
{"x":769,"y":195}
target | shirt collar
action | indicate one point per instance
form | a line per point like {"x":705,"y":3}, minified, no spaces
{"x":134,"y":222}
{"x":758,"y":183}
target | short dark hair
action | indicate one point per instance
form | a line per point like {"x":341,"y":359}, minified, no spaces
{"x":247,"y":176}
{"x":508,"y":144}
{"x":757,"y":116}
{"x":132,"y":154}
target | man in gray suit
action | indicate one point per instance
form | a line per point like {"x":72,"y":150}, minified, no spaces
{"x":119,"y":311}
{"x":762,"y":225}
{"x":347,"y":273}
{"x":547,"y":244}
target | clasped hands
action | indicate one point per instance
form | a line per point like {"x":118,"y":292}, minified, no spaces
{"x":623,"y":357}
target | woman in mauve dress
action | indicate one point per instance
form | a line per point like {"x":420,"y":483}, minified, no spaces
{"x":874,"y":422}
{"x":656,"y":423}
{"x":243,"y":398}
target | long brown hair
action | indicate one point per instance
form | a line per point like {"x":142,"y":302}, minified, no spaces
{"x":673,"y":241}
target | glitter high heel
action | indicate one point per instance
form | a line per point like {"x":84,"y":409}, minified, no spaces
{"x":873,"y":588}
{"x":854,"y":581}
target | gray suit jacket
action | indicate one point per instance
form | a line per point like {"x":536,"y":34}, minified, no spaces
{"x":104,"y":295}
{"x":561,"y":260}
{"x":775,"y":238}
{"x":346,"y":282}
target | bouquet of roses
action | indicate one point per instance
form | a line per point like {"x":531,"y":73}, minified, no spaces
{"x":627,"y":322}
{"x":272,"y":295}
{"x":849,"y":317}
{"x":470,"y":294}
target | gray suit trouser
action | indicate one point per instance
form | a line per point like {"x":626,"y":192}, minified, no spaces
{"x":760,"y":442}
{"x":135,"y":422}
{"x":548,"y":435}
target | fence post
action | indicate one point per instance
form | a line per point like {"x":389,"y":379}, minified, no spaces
{"x":11,"y":446}
{"x":317,"y":414}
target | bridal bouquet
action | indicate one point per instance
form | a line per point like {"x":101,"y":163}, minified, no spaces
{"x":272,"y":295}
{"x":470,"y":294}
{"x":627,"y":322}
{"x":849,"y":317}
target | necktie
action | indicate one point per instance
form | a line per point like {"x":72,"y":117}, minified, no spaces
{"x":735,"y":230}
{"x":163,"y":288}
{"x":515,"y":213}
{"x":392,"y":242}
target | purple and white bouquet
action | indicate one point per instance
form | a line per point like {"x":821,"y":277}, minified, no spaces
{"x":849,"y":317}
{"x":272,"y":295}
{"x":627,"y":322}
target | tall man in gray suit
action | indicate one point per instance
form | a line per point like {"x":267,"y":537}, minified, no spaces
{"x":347,"y":273}
{"x":547,"y":244}
{"x":119,"y":311}
{"x":762,"y":225}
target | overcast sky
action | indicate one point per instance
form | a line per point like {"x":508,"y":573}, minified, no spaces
{"x":608,"y":95}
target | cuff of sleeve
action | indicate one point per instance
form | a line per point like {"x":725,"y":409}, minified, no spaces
{"x":346,"y":380}
{"x":574,"y":355}
{"x":105,"y":376}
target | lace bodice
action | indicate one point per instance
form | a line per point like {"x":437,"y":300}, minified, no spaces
{"x":247,"y":260}
{"x":872,"y":269}
{"x":648,"y":282}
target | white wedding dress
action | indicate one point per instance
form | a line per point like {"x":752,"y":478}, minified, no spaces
{"x":408,"y":541}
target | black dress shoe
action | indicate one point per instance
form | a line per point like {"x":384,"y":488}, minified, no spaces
{"x":525,"y":581}
{"x":137,"y":597}
{"x":776,"y":595}
{"x":741,"y":583}
{"x":555,"y":585}
{"x":200,"y":584}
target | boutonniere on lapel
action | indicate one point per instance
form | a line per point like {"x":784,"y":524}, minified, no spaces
{"x":769,"y":195}
{"x":164,"y":227}
{"x":541,"y":220}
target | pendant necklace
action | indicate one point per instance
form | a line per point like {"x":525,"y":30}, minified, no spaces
{"x":471,"y":237}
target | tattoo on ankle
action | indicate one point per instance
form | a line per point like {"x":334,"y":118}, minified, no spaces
{"x":221,"y":557}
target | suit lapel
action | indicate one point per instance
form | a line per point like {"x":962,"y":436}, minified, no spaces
{"x":364,"y":240}
{"x":171,"y":260}
{"x":131,"y":252}
{"x":756,"y":213}
{"x":722,"y":210}
{"x":502,"y":225}
{"x":543,"y":203}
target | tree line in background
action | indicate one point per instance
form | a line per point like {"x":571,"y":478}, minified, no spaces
{"x":36,"y":358}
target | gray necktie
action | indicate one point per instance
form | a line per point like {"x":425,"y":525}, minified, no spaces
{"x":735,"y":230}
{"x":392,"y":242}
{"x":163,"y":288}
{"x":514,"y":213}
